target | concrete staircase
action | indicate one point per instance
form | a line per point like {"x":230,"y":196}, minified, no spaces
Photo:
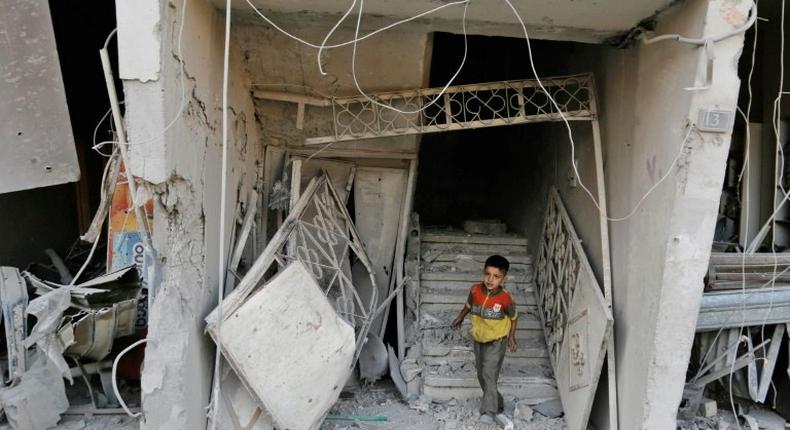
{"x":451,"y":262}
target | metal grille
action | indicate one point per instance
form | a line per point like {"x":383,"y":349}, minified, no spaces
{"x":557,"y":270}
{"x":322,"y":238}
{"x":460,"y":107}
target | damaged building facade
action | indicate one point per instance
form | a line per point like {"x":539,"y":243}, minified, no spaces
{"x":380,"y":158}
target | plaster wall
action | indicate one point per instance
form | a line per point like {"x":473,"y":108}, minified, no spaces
{"x":275,"y":62}
{"x":659,"y":255}
{"x":175,"y":141}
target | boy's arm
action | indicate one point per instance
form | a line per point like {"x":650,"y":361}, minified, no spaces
{"x":511,"y":337}
{"x":461,"y":315}
{"x":460,"y":318}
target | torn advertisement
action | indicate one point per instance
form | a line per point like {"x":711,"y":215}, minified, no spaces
{"x":126,"y":246}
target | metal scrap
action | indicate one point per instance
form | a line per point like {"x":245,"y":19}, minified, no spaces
{"x":13,"y":298}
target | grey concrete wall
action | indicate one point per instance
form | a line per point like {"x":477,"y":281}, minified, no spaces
{"x":659,"y":256}
{"x":392,"y":61}
{"x":180,"y":168}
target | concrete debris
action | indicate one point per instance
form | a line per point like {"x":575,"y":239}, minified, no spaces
{"x":373,"y":360}
{"x":550,"y":408}
{"x":766,"y":419}
{"x":708,"y":408}
{"x":424,"y":414}
{"x":39,"y":399}
{"x":504,"y":422}
{"x":523,"y":412}
{"x":311,"y":342}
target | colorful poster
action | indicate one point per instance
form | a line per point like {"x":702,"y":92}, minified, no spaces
{"x":125,"y":241}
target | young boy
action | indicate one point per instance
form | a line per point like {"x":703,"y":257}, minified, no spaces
{"x":493,"y":330}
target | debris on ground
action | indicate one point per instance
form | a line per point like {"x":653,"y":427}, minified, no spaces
{"x":78,"y":323}
{"x":383,"y":399}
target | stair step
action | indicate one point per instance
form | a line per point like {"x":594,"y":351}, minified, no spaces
{"x":459,"y":371}
{"x":531,"y":392}
{"x":526,"y":337}
{"x":449,"y":257}
{"x":429,"y":250}
{"x":471,"y":266}
{"x":437,"y":310}
{"x":458,"y":296}
{"x":510,"y":360}
{"x":455,"y":236}
{"x":534,"y":350}
{"x":472,"y":277}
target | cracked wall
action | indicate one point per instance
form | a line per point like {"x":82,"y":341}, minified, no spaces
{"x":174,"y":128}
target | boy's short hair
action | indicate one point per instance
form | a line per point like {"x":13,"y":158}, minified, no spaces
{"x":497,"y":261}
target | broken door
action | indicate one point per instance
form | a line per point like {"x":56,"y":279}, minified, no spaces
{"x":576,"y":320}
{"x":378,"y":196}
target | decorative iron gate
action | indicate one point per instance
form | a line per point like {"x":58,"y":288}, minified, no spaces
{"x":574,"y":314}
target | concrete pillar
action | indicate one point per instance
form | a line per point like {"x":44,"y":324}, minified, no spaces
{"x":175,"y":137}
{"x":660,"y":255}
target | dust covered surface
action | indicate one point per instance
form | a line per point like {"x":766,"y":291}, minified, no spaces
{"x":421,"y":414}
{"x":96,"y":422}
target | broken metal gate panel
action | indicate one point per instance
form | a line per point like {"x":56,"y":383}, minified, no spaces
{"x":576,"y":319}
{"x":35,"y":136}
{"x":378,"y":198}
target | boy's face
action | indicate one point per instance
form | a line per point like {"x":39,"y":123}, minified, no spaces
{"x":493,"y":278}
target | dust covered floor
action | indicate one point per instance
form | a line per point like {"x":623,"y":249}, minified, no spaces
{"x":383,"y":400}
{"x":96,"y":422}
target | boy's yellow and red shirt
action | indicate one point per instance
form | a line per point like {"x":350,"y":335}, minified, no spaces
{"x":492,"y":313}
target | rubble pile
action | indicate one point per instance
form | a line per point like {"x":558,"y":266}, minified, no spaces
{"x":56,"y":332}
{"x":382,"y":402}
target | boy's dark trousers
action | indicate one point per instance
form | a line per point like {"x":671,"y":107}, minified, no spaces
{"x":488,"y":362}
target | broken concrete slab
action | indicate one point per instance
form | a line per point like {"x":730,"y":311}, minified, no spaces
{"x":373,"y":360}
{"x":523,"y":411}
{"x":550,"y":408}
{"x":286,"y":335}
{"x":39,"y":399}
